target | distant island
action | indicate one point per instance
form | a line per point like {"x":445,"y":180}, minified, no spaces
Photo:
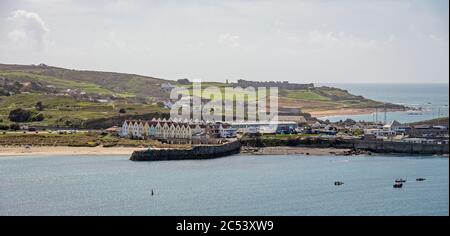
{"x":47,"y":96}
{"x":51,"y":110}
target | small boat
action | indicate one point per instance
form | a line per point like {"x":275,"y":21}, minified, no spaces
{"x":153,"y":192}
{"x":338,"y":183}
{"x":398,"y":185}
{"x":420,"y":179}
{"x":400,"y":180}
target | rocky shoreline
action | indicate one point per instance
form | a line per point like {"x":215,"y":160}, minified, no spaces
{"x":284,"y":150}
{"x":65,"y":150}
{"x":245,"y":150}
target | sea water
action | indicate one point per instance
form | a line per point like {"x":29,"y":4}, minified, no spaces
{"x":236,"y":185}
{"x":433,"y":99}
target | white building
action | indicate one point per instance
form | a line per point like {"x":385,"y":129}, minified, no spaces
{"x":394,"y":126}
{"x":266,"y":127}
{"x":379,"y":132}
{"x":172,"y":130}
{"x":228,"y":132}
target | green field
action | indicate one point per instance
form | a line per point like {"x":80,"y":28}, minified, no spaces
{"x":58,"y":83}
{"x":63,"y":111}
{"x":238,"y":95}
{"x":436,"y":121}
{"x":306,"y":95}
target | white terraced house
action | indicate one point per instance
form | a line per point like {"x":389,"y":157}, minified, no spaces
{"x":161,"y":129}
{"x":124,"y":129}
{"x":177,"y":130}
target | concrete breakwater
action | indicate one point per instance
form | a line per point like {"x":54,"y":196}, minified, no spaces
{"x":194,"y":153}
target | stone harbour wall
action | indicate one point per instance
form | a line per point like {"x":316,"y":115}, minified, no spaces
{"x":378,"y":146}
{"x":195,"y":153}
{"x":401,"y":147}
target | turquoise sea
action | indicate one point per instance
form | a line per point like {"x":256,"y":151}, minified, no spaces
{"x":432,"y":98}
{"x":236,"y":185}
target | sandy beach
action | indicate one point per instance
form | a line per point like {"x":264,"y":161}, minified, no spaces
{"x":343,"y":111}
{"x":102,"y":151}
{"x":347,"y":111}
{"x":61,"y":150}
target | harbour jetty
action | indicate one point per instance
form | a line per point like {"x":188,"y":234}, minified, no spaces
{"x":194,"y":153}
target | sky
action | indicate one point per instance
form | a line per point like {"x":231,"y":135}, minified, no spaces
{"x":320,"y":41}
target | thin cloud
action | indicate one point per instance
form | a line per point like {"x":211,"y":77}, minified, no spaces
{"x":299,"y":41}
{"x":28,"y":30}
{"x":228,"y":40}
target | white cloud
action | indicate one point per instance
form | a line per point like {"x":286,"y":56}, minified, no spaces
{"x":338,"y":40}
{"x":300,"y":41}
{"x":28,"y":30}
{"x":17,"y":36}
{"x":228,"y":40}
{"x":116,"y":41}
{"x":122,"y":6}
{"x":196,"y":46}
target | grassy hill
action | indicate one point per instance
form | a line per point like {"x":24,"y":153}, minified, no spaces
{"x":315,"y":99}
{"x":69,"y":112}
{"x":91,"y":99}
{"x":438,"y":121}
{"x":55,"y":82}
{"x":119,"y":83}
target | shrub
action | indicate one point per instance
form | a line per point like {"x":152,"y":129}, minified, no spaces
{"x":38,"y":117}
{"x":292,"y":142}
{"x":160,"y":104}
{"x":14,"y":127}
{"x":112,"y":144}
{"x":19,"y":115}
{"x":39,"y":106}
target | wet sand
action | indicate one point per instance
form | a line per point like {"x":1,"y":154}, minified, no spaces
{"x":346,"y":111}
{"x":343,"y":111}
{"x":61,"y":150}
